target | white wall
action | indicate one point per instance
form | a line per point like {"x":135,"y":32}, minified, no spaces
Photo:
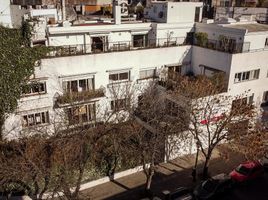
{"x":211,"y":58}
{"x":5,"y":17}
{"x":256,"y":39}
{"x":245,"y":62}
{"x":53,"y":70}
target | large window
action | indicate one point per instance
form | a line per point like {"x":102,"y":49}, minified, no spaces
{"x":247,"y":75}
{"x":119,"y":104}
{"x":237,"y":103}
{"x":35,"y":119}
{"x":79,"y":85}
{"x":34,"y":88}
{"x":119,"y":76}
{"x":81,"y":114}
{"x":140,"y":40}
{"x":149,"y":73}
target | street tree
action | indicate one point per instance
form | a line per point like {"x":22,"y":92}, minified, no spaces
{"x":212,"y":111}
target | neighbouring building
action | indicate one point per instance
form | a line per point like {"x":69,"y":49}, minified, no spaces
{"x":87,"y":61}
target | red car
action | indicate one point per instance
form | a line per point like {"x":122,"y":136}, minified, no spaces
{"x":247,"y":171}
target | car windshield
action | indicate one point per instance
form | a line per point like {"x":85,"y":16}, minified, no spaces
{"x":210,"y":185}
{"x":243,"y":170}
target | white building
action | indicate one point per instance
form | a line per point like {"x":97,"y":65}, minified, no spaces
{"x":90,"y":59}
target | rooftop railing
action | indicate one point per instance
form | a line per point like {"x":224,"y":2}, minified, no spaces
{"x":225,"y":47}
{"x":105,"y":47}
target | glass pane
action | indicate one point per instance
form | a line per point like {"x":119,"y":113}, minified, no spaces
{"x":31,"y":120}
{"x":82,"y":85}
{"x":90,"y":84}
{"x":123,"y":76}
{"x":35,"y":88}
{"x":38,"y":118}
{"x":74,"y":87}
{"x":25,"y":121}
{"x":113,"y":77}
{"x":42,"y":87}
{"x":83,"y":113}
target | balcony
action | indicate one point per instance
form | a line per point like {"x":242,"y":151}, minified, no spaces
{"x":100,"y":47}
{"x":72,"y":98}
{"x":227,"y":48}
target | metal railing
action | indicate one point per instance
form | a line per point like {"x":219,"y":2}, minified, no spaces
{"x":225,"y":47}
{"x":103,"y":47}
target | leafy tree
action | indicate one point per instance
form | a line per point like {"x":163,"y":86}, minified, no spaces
{"x":17,"y":62}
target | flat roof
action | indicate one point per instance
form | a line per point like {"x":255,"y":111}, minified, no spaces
{"x":254,"y":27}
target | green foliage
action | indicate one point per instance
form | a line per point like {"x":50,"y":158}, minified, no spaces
{"x":17,"y":62}
{"x":201,"y":38}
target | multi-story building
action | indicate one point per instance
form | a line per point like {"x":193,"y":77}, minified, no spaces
{"x":88,"y":61}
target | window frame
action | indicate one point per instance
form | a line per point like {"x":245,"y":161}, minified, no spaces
{"x":118,"y":73}
{"x":90,"y":114}
{"x":31,"y":119}
{"x":247,"y":76}
{"x":30,"y":86}
{"x":116,"y":105}
{"x":89,"y":81}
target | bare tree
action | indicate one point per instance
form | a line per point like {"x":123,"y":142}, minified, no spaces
{"x":212,"y":111}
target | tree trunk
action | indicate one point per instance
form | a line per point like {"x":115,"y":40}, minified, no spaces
{"x":205,"y":168}
{"x":149,"y":179}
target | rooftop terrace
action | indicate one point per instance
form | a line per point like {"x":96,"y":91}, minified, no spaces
{"x":252,"y":27}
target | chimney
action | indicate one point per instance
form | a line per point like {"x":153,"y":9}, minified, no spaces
{"x":63,"y":10}
{"x":116,"y":12}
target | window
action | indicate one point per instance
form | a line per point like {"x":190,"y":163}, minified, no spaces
{"x":246,"y":76}
{"x":149,"y":73}
{"x":266,"y":42}
{"x":81,"y":114}
{"x":35,"y":119}
{"x":174,"y":71}
{"x":119,"y":104}
{"x":78,"y":85}
{"x":117,"y":77}
{"x":34,"y":88}
{"x":120,"y":46}
{"x":237,"y":103}
{"x":140,"y":40}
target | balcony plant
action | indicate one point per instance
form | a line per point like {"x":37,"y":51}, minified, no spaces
{"x":80,"y":96}
{"x":201,"y":39}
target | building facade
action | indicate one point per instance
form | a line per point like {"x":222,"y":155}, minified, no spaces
{"x":91,"y":62}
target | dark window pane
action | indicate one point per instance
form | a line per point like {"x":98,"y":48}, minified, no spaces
{"x":83,"y":85}
{"x":74,"y":87}
{"x":113,"y":77}
{"x":123,"y":76}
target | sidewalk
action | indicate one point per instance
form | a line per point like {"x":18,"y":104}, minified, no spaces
{"x":168,"y":176}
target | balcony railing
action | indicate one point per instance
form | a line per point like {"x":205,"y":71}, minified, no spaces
{"x":82,"y":49}
{"x":228,"y":48}
{"x":74,"y":97}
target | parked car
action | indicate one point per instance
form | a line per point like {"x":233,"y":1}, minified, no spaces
{"x":182,"y":193}
{"x":212,"y":187}
{"x":247,"y":171}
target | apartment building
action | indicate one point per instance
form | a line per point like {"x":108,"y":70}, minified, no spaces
{"x":88,"y":61}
